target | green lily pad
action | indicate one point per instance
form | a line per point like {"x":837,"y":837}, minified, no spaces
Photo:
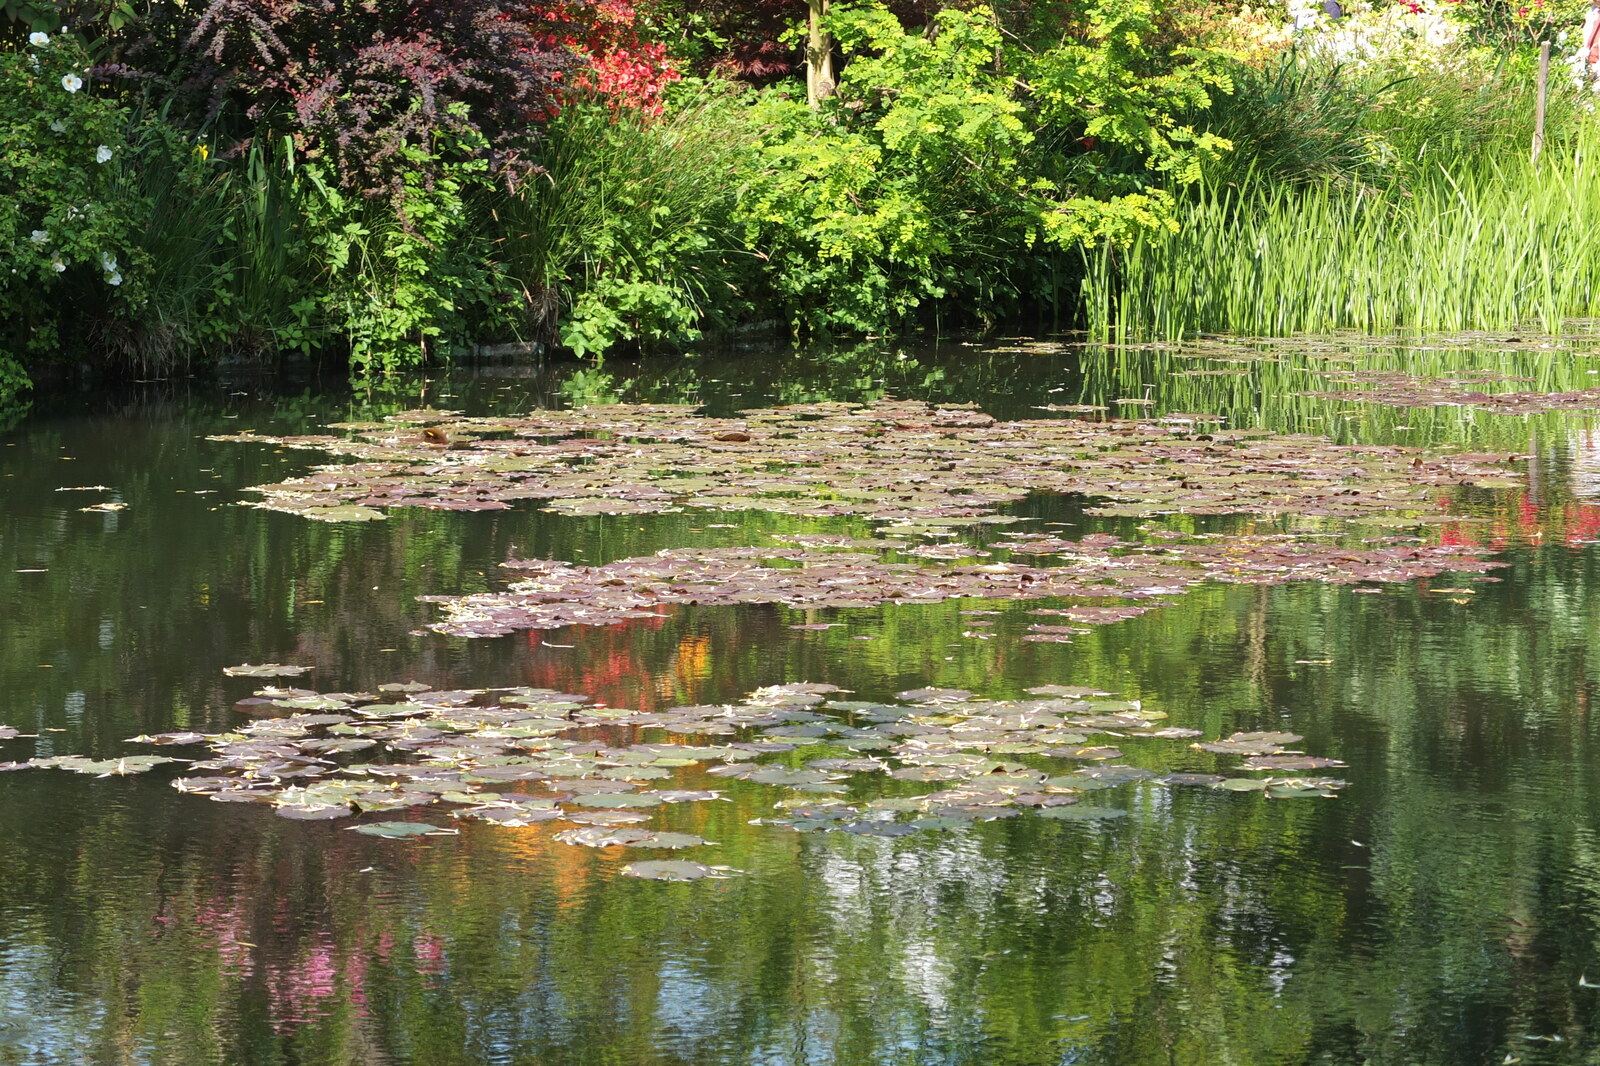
{"x":265,"y":670}
{"x":325,"y":813}
{"x":671,"y":870}
{"x":671,"y":841}
{"x":617,"y":799}
{"x":343,"y":513}
{"x":604,"y":836}
{"x":1082,"y":813}
{"x":612,"y":818}
{"x":400,"y":830}
{"x":940,"y":822}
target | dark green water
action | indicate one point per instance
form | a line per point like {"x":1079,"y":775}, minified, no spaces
{"x":1445,"y":909}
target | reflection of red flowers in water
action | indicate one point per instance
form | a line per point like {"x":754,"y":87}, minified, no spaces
{"x":606,"y":665}
{"x":1518,"y":519}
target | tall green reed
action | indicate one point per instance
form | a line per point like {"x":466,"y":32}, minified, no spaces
{"x":1476,"y":244}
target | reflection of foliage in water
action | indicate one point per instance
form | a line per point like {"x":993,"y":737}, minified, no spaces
{"x":1440,"y":912}
{"x":14,"y":408}
{"x":1263,"y":383}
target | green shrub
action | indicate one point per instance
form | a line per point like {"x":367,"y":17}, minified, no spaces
{"x":950,"y":169}
{"x":398,"y":276}
{"x":64,"y":229}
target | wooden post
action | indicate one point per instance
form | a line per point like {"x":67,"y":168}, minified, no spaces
{"x":1544,"y":85}
{"x":819,"y":55}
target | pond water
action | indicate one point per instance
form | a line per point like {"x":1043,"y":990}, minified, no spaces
{"x":1443,"y":907}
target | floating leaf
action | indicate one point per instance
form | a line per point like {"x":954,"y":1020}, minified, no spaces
{"x":314,"y":814}
{"x":670,"y":841}
{"x":599,"y":836}
{"x":513,"y":816}
{"x":943,"y":822}
{"x":265,"y":670}
{"x":1083,"y":813}
{"x":934,"y":695}
{"x":878,"y":829}
{"x":133,"y":764}
{"x":400,"y":830}
{"x":343,"y":513}
{"x":1190,"y":779}
{"x":607,"y":817}
{"x":617,"y":799}
{"x":165,"y":738}
{"x":671,"y":870}
{"x":1290,"y":762}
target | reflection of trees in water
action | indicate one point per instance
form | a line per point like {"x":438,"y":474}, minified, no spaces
{"x":1437,"y":913}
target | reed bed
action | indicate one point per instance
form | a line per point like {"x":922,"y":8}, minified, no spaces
{"x":1495,"y":244}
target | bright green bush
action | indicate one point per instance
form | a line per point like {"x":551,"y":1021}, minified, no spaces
{"x":949,"y":163}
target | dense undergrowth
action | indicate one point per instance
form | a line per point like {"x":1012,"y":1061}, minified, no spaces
{"x":245,"y":178}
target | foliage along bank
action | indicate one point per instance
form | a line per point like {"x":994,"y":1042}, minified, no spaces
{"x":249,"y":177}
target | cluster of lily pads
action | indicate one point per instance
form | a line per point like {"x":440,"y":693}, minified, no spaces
{"x":908,"y":464}
{"x":826,"y":572}
{"x":1397,"y":389}
{"x":516,"y":757}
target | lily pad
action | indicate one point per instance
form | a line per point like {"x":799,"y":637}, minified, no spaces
{"x":324,"y":813}
{"x":670,"y":841}
{"x":401,"y":830}
{"x":671,"y":870}
{"x":1083,"y":813}
{"x":265,"y":670}
{"x":617,"y":799}
{"x":602,"y":836}
{"x":610,"y":818}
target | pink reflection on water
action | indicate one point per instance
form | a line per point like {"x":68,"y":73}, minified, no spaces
{"x":428,"y":949}
{"x":223,"y":921}
{"x":298,"y":990}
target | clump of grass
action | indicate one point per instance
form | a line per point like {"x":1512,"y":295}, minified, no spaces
{"x":1293,"y":120}
{"x":1477,"y":244}
{"x":626,"y":234}
{"x":1306,"y":118}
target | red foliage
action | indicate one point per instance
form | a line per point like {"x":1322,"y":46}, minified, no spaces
{"x":616,"y":61}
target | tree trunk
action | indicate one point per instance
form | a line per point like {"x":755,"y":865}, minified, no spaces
{"x":819,"y":56}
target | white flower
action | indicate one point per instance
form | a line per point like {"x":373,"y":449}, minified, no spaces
{"x":114,"y":279}
{"x":71,"y":82}
{"x":38,"y":40}
{"x":103,"y":154}
{"x":59,"y":125}
{"x":58,"y":265}
{"x":108,"y":262}
{"x":40,"y":236}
